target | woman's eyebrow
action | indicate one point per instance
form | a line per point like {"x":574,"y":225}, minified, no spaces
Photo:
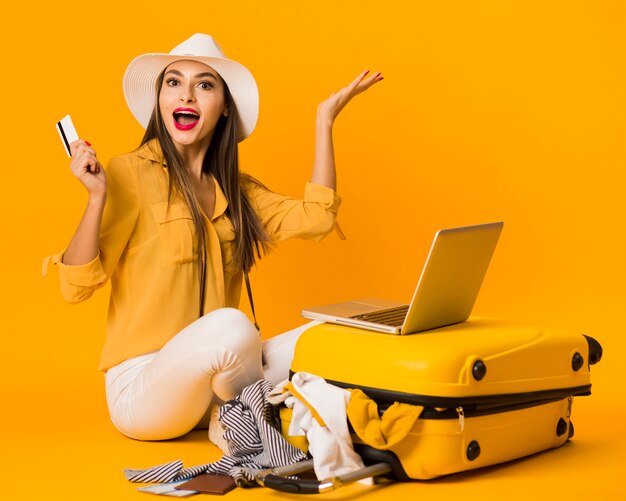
{"x":199,"y":75}
{"x":206,"y":74}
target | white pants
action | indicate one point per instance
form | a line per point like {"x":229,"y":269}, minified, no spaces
{"x":167,"y":393}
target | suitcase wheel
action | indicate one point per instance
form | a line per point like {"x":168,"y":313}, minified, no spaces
{"x":595,"y":350}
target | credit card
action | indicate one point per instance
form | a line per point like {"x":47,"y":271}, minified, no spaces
{"x":67,"y":131}
{"x":167,"y":490}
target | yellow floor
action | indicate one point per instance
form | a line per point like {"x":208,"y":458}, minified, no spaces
{"x":61,"y":445}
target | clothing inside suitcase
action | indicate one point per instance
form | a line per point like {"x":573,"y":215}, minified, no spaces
{"x":470,"y":378}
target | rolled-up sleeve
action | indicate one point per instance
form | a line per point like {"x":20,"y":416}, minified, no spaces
{"x":284,"y":217}
{"x":78,"y":282}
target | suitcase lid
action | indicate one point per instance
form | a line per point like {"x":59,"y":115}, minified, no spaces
{"x":479,"y":357}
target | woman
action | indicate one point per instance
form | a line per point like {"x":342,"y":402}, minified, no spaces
{"x":175,"y":225}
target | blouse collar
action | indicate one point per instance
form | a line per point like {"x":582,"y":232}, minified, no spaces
{"x":152,"y":151}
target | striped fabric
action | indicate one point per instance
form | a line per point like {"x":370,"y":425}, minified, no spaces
{"x":253,"y":434}
{"x":168,"y":472}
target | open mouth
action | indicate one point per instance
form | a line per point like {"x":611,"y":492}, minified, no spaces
{"x":185,"y":119}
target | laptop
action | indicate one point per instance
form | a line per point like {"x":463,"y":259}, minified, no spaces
{"x":445,"y":294}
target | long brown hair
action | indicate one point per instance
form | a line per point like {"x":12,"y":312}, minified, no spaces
{"x":222,"y":161}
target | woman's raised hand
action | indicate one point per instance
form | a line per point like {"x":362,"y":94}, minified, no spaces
{"x":86,"y":167}
{"x":324,"y":165}
{"x":331,"y":107}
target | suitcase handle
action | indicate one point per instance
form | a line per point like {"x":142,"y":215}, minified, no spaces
{"x":273,"y":478}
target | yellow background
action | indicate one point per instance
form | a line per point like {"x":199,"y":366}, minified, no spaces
{"x":489,"y":110}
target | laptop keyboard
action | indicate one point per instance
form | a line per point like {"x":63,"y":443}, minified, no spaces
{"x":393,"y":317}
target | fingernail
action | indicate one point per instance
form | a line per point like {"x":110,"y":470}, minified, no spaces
{"x":87,"y":143}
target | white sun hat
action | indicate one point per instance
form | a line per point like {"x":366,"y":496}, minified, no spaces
{"x":142,"y":73}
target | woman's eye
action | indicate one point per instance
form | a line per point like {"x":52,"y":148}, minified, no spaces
{"x":206,"y":85}
{"x":172,"y":82}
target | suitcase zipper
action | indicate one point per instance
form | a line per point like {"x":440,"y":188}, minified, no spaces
{"x":461,"y":413}
{"x":569,"y":407}
{"x":482,"y":402}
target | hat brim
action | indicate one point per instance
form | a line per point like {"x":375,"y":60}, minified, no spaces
{"x":140,"y":79}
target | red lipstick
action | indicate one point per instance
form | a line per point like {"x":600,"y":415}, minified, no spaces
{"x":185,"y":118}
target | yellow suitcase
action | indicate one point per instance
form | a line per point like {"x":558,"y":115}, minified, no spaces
{"x":492,"y":391}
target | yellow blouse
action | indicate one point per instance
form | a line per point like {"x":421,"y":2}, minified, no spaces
{"x":147,"y":251}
